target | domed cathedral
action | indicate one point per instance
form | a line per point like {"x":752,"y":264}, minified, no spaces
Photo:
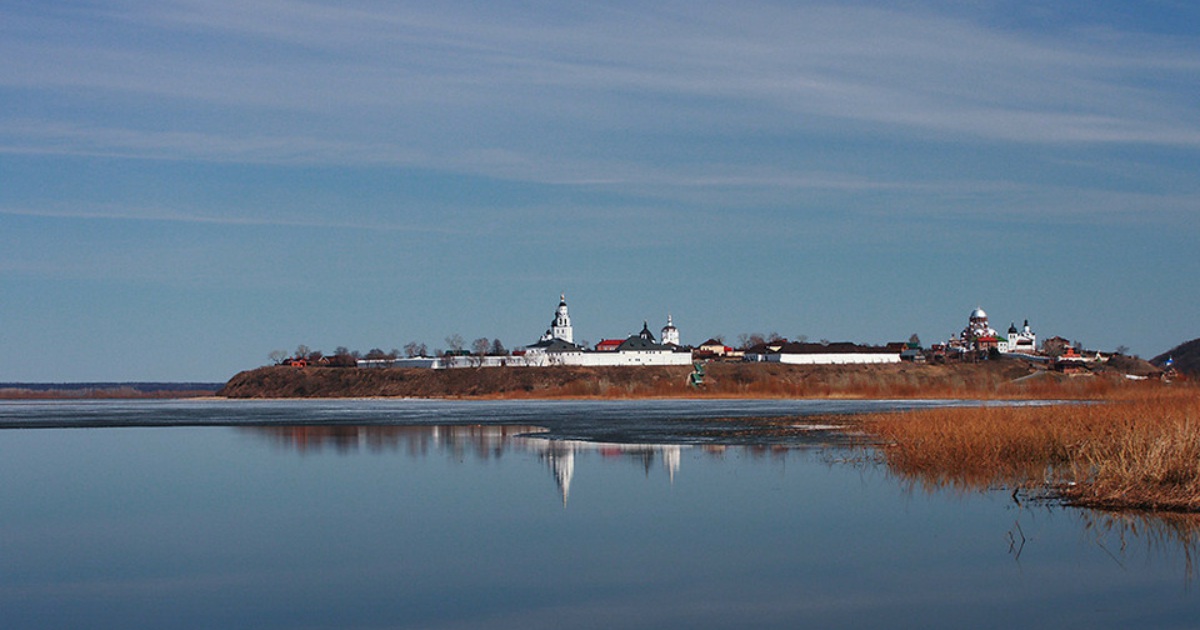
{"x":560,"y":326}
{"x":977,"y":325}
{"x":670,"y":334}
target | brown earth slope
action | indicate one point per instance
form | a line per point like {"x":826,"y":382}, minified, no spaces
{"x":990,"y":378}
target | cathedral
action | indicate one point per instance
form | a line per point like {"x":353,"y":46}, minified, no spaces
{"x":979,"y":335}
{"x":977,"y":328}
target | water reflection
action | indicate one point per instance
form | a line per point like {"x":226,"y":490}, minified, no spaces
{"x":1166,"y":534}
{"x":1163,"y":534}
{"x":485,"y":442}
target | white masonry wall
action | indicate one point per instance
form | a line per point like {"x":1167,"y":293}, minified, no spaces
{"x":832,"y":358}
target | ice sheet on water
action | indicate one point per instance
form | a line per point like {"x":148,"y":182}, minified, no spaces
{"x":627,"y":421}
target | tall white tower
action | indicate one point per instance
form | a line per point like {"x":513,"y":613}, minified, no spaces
{"x":670,"y":334}
{"x":560,"y":326}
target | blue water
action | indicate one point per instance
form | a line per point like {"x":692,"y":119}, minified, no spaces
{"x":417,"y":514}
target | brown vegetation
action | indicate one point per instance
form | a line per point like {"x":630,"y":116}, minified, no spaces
{"x":988,"y":379}
{"x":1140,"y":448}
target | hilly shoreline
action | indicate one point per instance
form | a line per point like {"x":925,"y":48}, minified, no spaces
{"x":1009,"y":378}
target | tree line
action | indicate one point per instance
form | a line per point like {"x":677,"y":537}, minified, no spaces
{"x":456,"y":345}
{"x":345,"y":357}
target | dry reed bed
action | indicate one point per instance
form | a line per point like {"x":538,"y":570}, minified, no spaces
{"x":1138,"y":449}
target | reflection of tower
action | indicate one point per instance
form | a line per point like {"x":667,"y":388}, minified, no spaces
{"x":562,"y":463}
{"x":671,"y":456}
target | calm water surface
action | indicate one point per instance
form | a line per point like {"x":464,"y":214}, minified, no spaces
{"x":418,"y":514}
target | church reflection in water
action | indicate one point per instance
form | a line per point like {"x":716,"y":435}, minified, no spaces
{"x":484,"y":442}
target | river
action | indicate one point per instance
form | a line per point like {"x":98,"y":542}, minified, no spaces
{"x":536,"y":514}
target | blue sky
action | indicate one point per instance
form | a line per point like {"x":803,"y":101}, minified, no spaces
{"x":186,"y":186}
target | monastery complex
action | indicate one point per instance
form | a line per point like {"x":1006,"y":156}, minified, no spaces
{"x":557,"y":346}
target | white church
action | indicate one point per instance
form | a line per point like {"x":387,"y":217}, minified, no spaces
{"x":557,"y":347}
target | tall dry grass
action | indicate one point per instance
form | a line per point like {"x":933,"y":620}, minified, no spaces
{"x":1136,"y":450}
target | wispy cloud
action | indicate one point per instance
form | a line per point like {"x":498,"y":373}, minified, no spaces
{"x":408,"y":84}
{"x":114,"y":212}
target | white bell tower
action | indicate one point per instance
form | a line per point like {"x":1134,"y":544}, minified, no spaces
{"x":670,"y":334}
{"x":560,"y":326}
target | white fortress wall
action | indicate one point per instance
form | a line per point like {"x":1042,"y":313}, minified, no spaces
{"x":538,"y":359}
{"x":840,"y":358}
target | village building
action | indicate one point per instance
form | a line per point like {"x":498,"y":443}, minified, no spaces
{"x":714,"y":349}
{"x":1070,"y":362}
{"x":609,"y":345}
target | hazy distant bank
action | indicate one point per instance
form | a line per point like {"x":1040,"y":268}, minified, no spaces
{"x":57,"y":391}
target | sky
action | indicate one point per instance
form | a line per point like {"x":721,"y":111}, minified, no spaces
{"x":189,"y":185}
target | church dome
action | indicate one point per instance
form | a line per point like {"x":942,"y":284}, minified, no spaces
{"x":978,"y":313}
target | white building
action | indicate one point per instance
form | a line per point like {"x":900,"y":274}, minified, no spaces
{"x":1020,"y":341}
{"x":841,"y":353}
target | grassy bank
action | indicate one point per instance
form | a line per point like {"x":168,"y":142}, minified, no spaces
{"x":988,"y":379}
{"x":1138,"y":448}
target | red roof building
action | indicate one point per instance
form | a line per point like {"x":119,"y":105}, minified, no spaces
{"x":609,"y":345}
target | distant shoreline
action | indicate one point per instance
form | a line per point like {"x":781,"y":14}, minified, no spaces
{"x":108,"y":390}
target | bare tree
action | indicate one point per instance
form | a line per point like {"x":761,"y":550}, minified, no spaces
{"x":750,"y":340}
{"x":774,"y":336}
{"x":479,"y":349}
{"x":801,"y":338}
{"x":455,"y":342}
{"x":498,"y":348}
{"x":277,"y":356}
{"x":302,"y":351}
{"x":1122,"y":350}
